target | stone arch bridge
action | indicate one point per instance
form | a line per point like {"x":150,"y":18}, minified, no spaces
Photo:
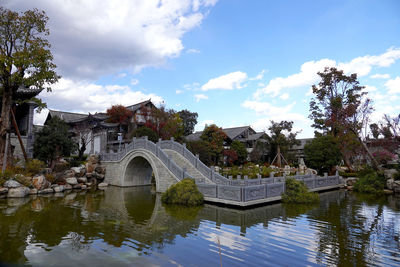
{"x":171,"y":162}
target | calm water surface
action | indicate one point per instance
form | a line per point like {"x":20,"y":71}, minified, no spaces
{"x":130,"y":227}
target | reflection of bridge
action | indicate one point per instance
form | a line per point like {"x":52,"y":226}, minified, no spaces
{"x":170,"y":162}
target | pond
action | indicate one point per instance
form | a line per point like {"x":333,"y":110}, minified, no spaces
{"x":130,"y":226}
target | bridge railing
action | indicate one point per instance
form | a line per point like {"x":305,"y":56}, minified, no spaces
{"x":144,"y":143}
{"x":195,"y":161}
{"x":268,"y":188}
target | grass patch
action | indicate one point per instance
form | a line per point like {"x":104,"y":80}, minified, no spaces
{"x":370,"y":183}
{"x":297,"y":192}
{"x":184,"y":192}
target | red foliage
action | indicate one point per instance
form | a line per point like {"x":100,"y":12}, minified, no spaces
{"x":120,"y":114}
{"x":230,"y":156}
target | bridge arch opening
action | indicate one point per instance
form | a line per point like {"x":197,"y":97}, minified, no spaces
{"x":138,"y":172}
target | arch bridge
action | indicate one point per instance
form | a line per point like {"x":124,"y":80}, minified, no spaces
{"x":170,"y":162}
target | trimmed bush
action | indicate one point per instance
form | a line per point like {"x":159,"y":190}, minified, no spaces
{"x":370,"y":183}
{"x":33,"y":166}
{"x":297,"y":192}
{"x":184,"y":192}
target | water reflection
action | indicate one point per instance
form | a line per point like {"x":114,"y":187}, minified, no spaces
{"x":126,"y":226}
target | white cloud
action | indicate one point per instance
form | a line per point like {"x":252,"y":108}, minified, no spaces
{"x":363,"y":65}
{"x":284,"y":96}
{"x":308,"y":71}
{"x":268,"y":112}
{"x":393,"y":85}
{"x":370,"y":88}
{"x":134,"y":81}
{"x":121,"y":75}
{"x":178,"y":92}
{"x":91,"y":38}
{"x":192,"y":51}
{"x":199,"y":97}
{"x":85,"y":97}
{"x":259,"y":76}
{"x":228,"y":81}
{"x":380,"y":76}
{"x":201,"y":125}
{"x":307,"y":76}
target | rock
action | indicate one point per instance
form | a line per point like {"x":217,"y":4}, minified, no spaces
{"x":388,"y":192}
{"x":18,"y":192}
{"x":12,"y":184}
{"x":33,"y":191}
{"x":40,"y":182}
{"x":89,"y":175}
{"x":94,"y":159}
{"x":3,"y":190}
{"x":45,"y":171}
{"x":90,"y":167}
{"x":389,"y":184}
{"x":72,"y":181}
{"x":83,"y":187}
{"x":77,"y":186}
{"x":79,"y":171}
{"x":67,"y":187}
{"x":351,"y":181}
{"x":390,"y":173}
{"x":100,"y":177}
{"x":46,"y":191}
{"x":59,"y":189}
{"x":396,"y":187}
{"x":100,"y":170}
{"x":69,"y":174}
{"x":102,"y":185}
{"x":350,"y":187}
{"x":88,"y":184}
{"x":82,"y":180}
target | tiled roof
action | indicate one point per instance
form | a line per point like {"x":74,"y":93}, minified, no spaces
{"x":232,"y":133}
{"x":138,"y":105}
{"x":68,"y":117}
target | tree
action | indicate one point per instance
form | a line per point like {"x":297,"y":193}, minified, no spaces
{"x":323,"y":153}
{"x":119,"y":114}
{"x":341,"y":108}
{"x":230,"y":156}
{"x":374,"y":130}
{"x":53,"y":142}
{"x":240,"y":150}
{"x":85,"y":134}
{"x":144,"y":131}
{"x":25,"y":60}
{"x":281,"y":138}
{"x":202,"y":149}
{"x":189,"y":121}
{"x":260,"y":149}
{"x":173,"y":127}
{"x":214,"y":137}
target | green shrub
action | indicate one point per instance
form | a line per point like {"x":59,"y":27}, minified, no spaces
{"x":6,"y":175}
{"x":396,"y":176}
{"x":348,"y":174}
{"x":184,"y":192}
{"x":370,"y":183}
{"x":25,"y":181}
{"x":297,"y":192}
{"x":75,"y":161}
{"x":34,"y":166}
{"x":50,"y":177}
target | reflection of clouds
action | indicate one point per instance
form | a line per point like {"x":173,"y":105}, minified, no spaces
{"x":229,"y":240}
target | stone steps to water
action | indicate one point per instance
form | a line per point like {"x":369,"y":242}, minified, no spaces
{"x":185,"y":164}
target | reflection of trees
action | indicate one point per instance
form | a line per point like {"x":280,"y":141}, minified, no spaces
{"x":349,"y":236}
{"x":346,"y":225}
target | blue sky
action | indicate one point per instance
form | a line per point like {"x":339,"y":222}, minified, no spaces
{"x":234,"y":62}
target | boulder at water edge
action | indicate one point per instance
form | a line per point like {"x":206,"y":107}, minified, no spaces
{"x":12,"y":184}
{"x":72,"y":181}
{"x":40,"y":182}
{"x":18,"y":192}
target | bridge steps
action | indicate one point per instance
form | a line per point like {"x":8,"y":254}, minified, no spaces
{"x":185,"y":164}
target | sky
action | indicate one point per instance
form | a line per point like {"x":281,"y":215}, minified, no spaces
{"x":234,"y":62}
